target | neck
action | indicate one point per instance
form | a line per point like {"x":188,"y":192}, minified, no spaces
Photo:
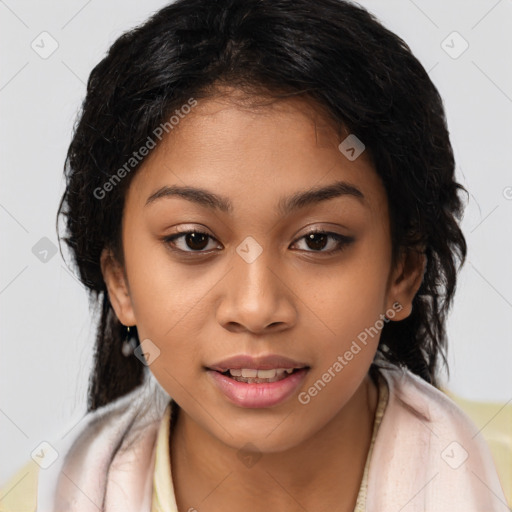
{"x":323,"y":471}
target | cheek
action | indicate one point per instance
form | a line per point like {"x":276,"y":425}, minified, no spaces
{"x":351,"y":298}
{"x":344,"y":346}
{"x":346,"y":315}
{"x":163,"y":292}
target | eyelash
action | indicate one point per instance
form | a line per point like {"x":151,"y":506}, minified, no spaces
{"x":342,"y":240}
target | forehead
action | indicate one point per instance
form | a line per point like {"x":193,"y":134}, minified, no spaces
{"x":237,"y":116}
{"x":253,"y":147}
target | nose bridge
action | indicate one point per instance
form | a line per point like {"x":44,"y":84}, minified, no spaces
{"x":255,"y":278}
{"x":255,"y":296}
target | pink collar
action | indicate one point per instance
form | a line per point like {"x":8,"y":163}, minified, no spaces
{"x":428,"y":456}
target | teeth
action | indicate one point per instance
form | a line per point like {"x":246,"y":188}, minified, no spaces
{"x":249,"y":373}
{"x":266,"y":374}
{"x":260,"y":374}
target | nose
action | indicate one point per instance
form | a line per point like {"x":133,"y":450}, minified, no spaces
{"x":257,"y":297}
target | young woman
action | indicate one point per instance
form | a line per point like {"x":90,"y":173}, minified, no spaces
{"x":261,"y":198}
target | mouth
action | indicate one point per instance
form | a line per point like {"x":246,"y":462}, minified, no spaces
{"x":256,"y":376}
{"x":255,"y":387}
{"x":257,"y":381}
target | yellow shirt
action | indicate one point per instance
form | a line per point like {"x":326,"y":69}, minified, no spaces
{"x":163,"y":491}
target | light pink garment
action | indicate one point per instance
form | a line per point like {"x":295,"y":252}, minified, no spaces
{"x":428,"y":456}
{"x":85,"y":480}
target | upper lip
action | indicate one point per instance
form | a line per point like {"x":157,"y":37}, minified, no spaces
{"x":268,"y":362}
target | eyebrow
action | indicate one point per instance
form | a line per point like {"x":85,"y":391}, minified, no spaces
{"x":285,"y":205}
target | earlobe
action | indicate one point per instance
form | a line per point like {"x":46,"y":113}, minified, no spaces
{"x":117,"y":286}
{"x":406,"y":281}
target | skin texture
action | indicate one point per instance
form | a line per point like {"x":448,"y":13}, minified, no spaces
{"x":295,"y":299}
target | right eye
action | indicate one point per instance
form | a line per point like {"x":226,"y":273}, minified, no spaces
{"x":194,"y":240}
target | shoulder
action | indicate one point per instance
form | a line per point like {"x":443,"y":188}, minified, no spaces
{"x":93,"y":441}
{"x":424,"y":401}
{"x":19,"y":493}
{"x":433,"y":453}
{"x":416,"y":402}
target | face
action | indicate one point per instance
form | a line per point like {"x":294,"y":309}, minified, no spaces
{"x":220,"y":262}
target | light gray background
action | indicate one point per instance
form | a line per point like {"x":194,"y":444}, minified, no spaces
{"x":46,"y":330}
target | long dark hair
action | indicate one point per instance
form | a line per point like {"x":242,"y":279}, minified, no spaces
{"x":332,"y":52}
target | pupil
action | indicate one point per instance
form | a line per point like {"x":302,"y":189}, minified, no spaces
{"x":311,"y":239}
{"x":197,"y":240}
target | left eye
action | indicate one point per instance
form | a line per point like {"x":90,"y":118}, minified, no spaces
{"x":318,"y":240}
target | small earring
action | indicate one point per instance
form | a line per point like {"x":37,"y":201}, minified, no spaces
{"x":129,"y":343}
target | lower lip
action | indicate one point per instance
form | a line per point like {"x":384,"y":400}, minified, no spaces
{"x":265,"y":394}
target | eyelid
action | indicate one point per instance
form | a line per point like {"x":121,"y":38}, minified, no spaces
{"x":180,"y":233}
{"x":342,"y":240}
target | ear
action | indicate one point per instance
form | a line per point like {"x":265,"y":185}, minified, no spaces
{"x":117,"y":286}
{"x":405,"y":281}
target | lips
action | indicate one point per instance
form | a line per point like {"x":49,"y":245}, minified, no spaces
{"x":257,"y":381}
{"x":247,"y":362}
{"x":257,"y":393}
